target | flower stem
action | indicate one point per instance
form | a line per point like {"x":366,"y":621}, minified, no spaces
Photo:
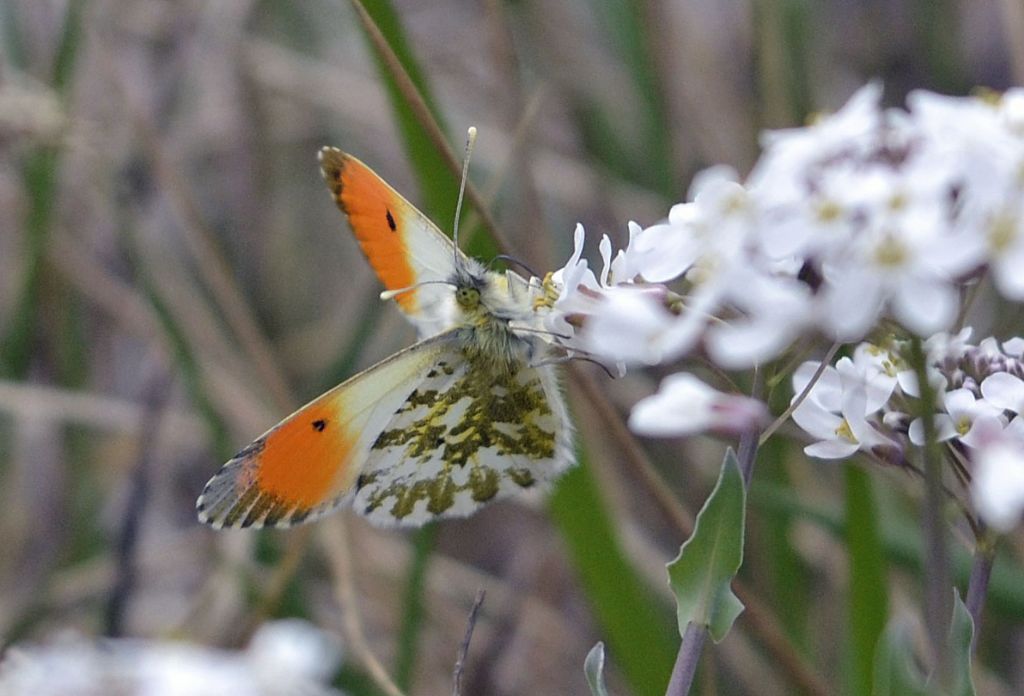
{"x":686,"y":660}
{"x":750,"y":439}
{"x":938,"y":599}
{"x":977,"y":586}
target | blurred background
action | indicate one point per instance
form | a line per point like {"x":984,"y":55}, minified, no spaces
{"x":174,"y":279}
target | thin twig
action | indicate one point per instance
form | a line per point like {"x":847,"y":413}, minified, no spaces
{"x":334,"y":539}
{"x":634,"y":454}
{"x":154,"y":400}
{"x":426,"y":119}
{"x":213,"y":267}
{"x":784,"y":416}
{"x":460,"y":658}
{"x":686,"y":660}
{"x":749,"y":441}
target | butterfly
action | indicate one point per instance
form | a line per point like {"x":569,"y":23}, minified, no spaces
{"x":471,"y":413}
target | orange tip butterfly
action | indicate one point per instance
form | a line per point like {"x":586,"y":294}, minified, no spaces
{"x":470,"y":414}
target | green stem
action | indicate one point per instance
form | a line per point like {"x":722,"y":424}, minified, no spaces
{"x":938,"y":598}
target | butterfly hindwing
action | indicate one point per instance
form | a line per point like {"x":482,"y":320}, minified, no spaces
{"x":402,"y":245}
{"x":465,"y":436}
{"x":309,"y":463}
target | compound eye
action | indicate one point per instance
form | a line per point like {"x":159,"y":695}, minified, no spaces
{"x":467,"y":298}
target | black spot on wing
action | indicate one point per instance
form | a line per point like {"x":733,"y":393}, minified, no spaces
{"x":391,"y":220}
{"x":319,"y":425}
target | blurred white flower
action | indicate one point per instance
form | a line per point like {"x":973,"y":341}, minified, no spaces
{"x":285,"y":658}
{"x":865,"y":214}
{"x":997,"y":482}
{"x":684,"y":405}
{"x":632,"y":325}
{"x":781,"y":175}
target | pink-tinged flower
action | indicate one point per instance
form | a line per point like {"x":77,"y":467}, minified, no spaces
{"x":684,"y":405}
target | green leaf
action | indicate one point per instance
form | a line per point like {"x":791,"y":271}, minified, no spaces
{"x":593,"y":668}
{"x":961,"y":633}
{"x":631,"y":621}
{"x":707,"y":562}
{"x":896,"y":674}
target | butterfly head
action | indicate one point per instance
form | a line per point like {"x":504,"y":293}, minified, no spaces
{"x":467,"y":297}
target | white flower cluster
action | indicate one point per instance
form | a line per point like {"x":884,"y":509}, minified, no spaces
{"x":866,"y":215}
{"x":284,"y":658}
{"x":867,"y":402}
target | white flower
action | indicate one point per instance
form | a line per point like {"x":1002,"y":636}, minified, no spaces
{"x":623,"y":268}
{"x":900,"y":261}
{"x":837,"y":415}
{"x":781,"y":173}
{"x":964,"y":418}
{"x":997,"y":483}
{"x":866,"y":213}
{"x":1014,"y":347}
{"x":774,"y":312}
{"x":576,"y":271}
{"x":865,"y":369}
{"x":944,"y":346}
{"x":631,"y":325}
{"x":1004,"y":391}
{"x":290,"y":658}
{"x":684,"y":405}
{"x":703,"y":238}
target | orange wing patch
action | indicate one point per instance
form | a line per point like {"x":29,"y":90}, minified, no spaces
{"x":292,"y":470}
{"x":377,"y":214}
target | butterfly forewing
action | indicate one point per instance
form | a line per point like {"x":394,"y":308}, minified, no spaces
{"x":309,"y":463}
{"x":402,"y":245}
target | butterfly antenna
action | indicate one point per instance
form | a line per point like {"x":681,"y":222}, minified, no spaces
{"x":470,"y":140}
{"x":513,"y":259}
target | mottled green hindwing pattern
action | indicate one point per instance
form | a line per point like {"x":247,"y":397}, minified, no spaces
{"x":474,"y":430}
